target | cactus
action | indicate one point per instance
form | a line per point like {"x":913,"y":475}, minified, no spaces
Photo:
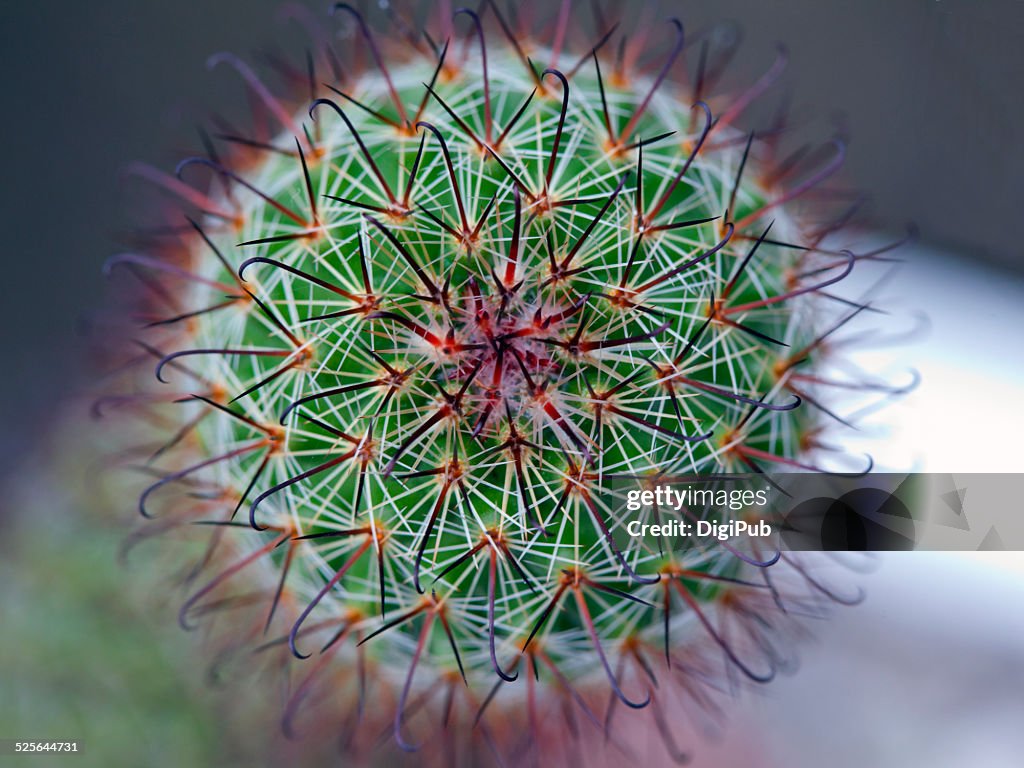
{"x":416,"y":339}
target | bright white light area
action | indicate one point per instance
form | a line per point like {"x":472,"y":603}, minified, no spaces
{"x":967,"y":415}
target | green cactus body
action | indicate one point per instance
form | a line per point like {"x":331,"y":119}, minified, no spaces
{"x":460,"y":322}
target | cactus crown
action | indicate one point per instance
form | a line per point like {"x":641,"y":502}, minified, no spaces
{"x":450,"y":312}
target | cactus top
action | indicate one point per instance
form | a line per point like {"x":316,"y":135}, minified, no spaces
{"x":452,"y":315}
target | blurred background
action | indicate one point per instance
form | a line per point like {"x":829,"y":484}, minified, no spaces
{"x":928,"y":673}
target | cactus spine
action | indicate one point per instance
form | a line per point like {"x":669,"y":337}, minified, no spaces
{"x":430,"y":332}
